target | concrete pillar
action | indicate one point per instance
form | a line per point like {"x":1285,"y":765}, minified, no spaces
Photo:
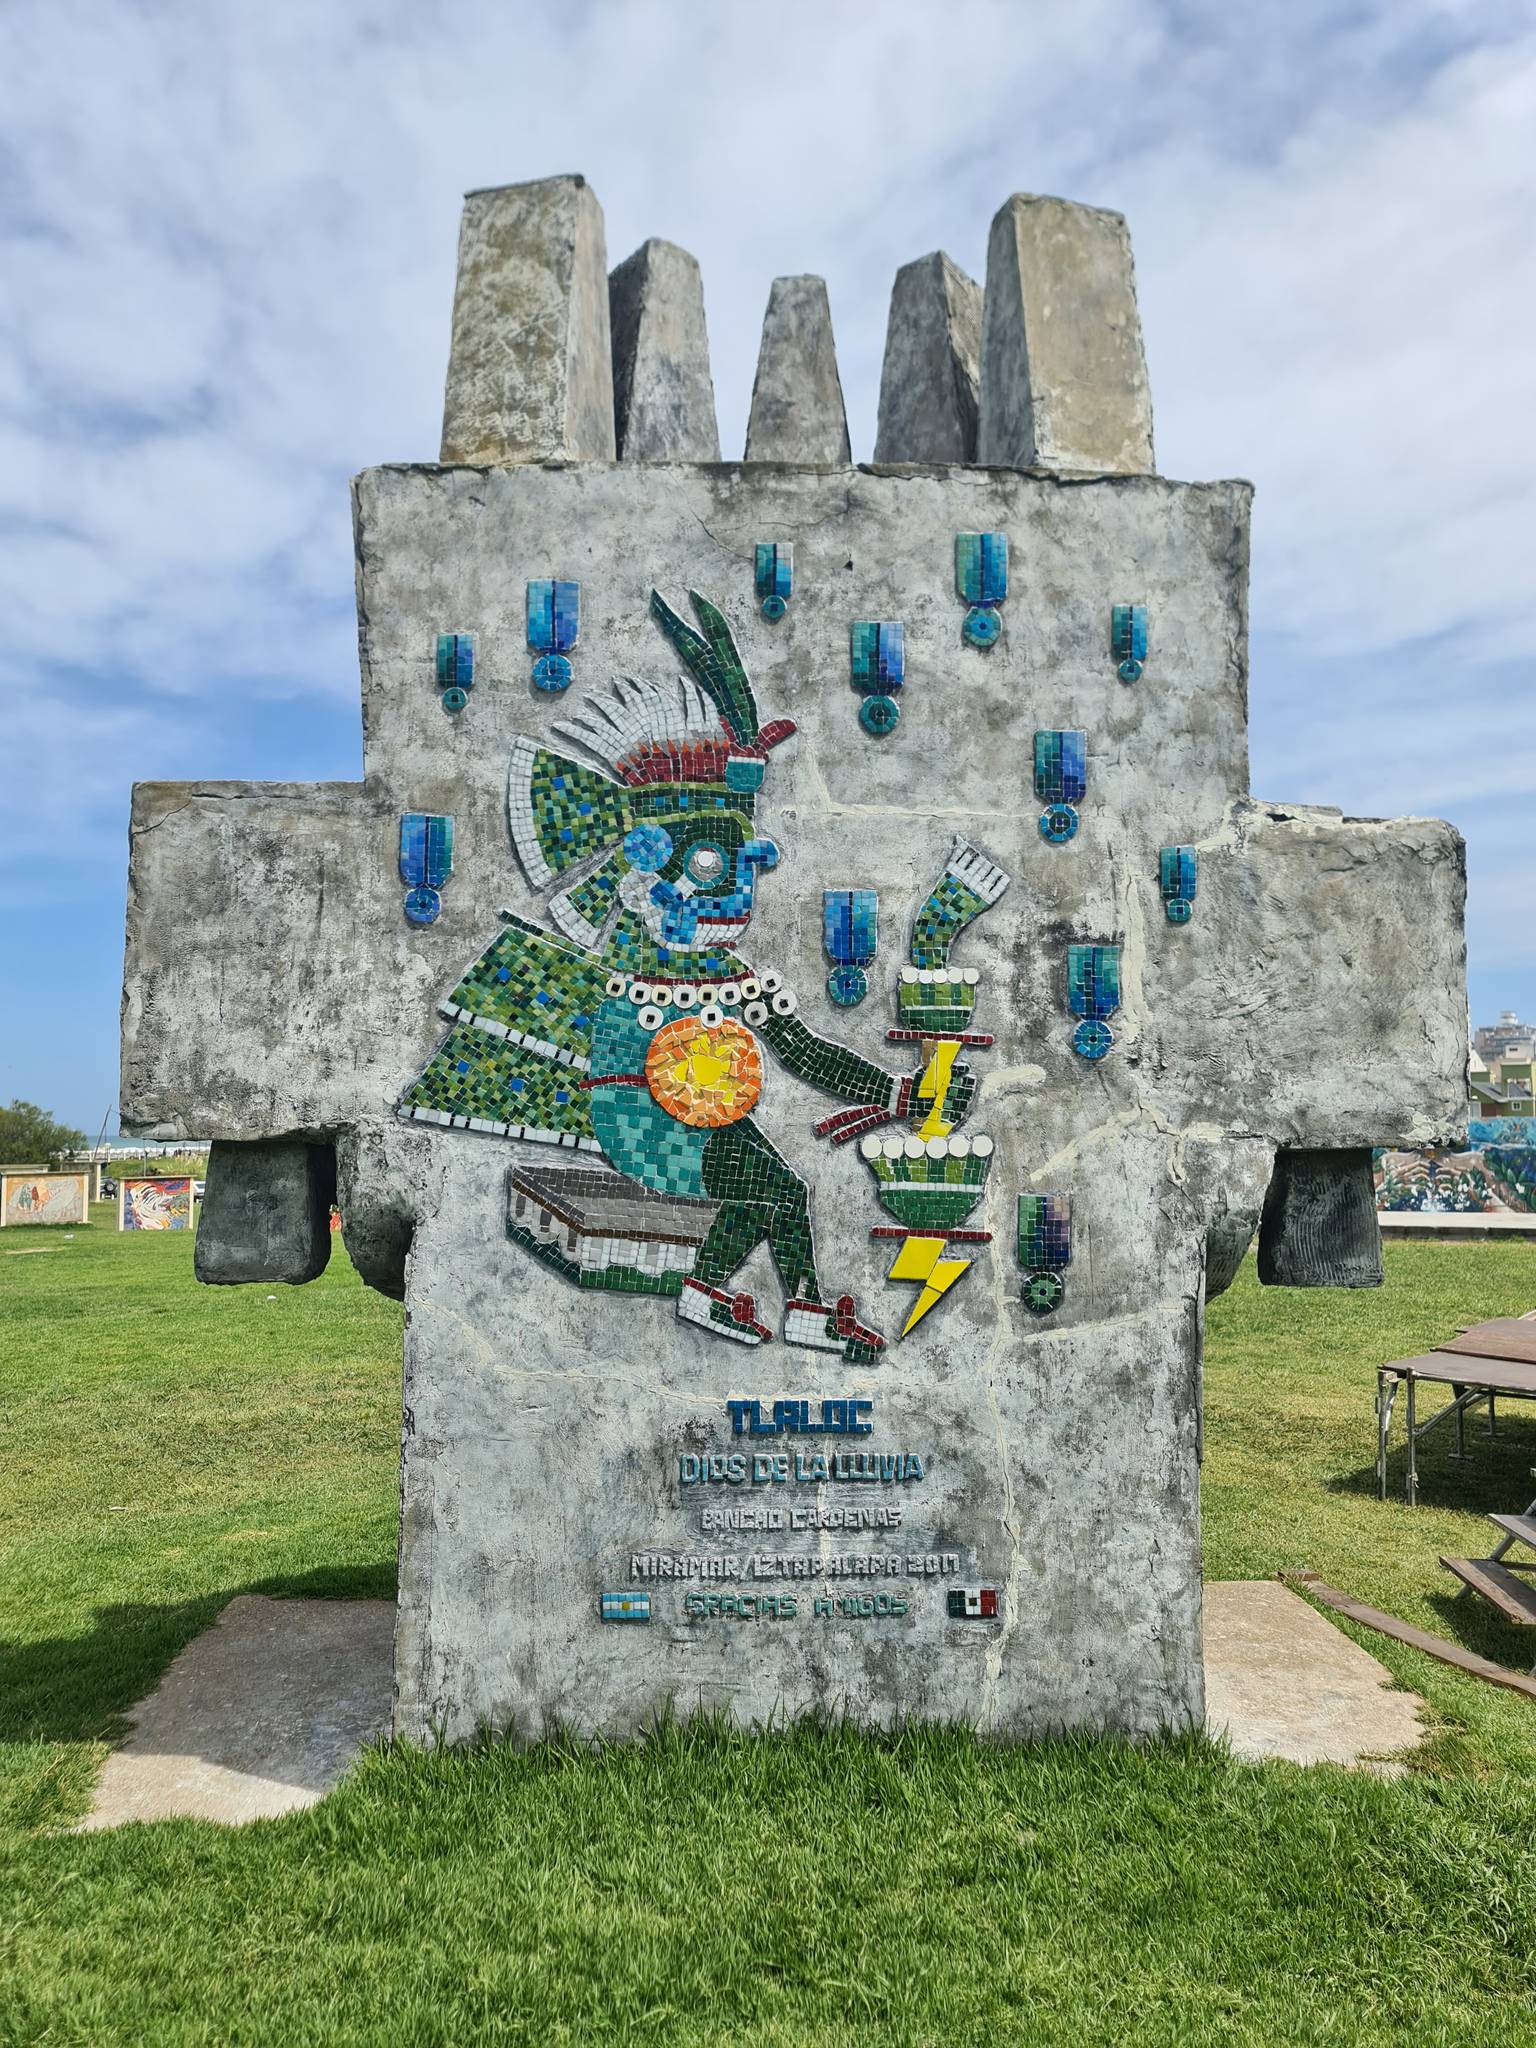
{"x":663,"y":395}
{"x":1063,"y":372}
{"x":530,"y":368}
{"x":266,"y":1214}
{"x":797,"y":399}
{"x":929,"y":383}
{"x":1319,"y":1226}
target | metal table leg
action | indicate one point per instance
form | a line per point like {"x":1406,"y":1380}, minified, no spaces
{"x":1413,"y":1442}
{"x":1386,"y":1397}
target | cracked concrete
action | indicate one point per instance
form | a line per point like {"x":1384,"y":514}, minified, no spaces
{"x":544,"y":1425}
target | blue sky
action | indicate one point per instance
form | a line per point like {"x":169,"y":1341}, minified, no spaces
{"x":229,"y":239}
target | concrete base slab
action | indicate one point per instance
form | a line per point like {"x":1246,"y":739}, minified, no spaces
{"x":259,"y":1716}
{"x":1281,"y":1681}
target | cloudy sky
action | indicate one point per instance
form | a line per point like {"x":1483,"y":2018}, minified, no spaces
{"x":228,"y":262}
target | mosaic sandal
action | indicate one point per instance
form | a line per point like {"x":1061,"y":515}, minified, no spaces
{"x":728,"y":1315}
{"x":831,"y":1329}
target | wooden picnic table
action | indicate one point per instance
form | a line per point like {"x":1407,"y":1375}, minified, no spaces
{"x":1478,"y":1364}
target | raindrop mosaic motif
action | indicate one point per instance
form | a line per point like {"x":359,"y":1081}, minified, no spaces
{"x":455,"y":668}
{"x":1061,"y":778}
{"x":773,"y":576}
{"x":1093,"y":996}
{"x":1128,"y":640}
{"x":849,"y":924}
{"x":1177,"y":876}
{"x":1045,"y":1249}
{"x":554,"y":624}
{"x":426,"y":862}
{"x":981,"y":577}
{"x":878,"y":657}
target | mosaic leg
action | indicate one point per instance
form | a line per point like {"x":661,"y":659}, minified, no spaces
{"x":761,"y":1197}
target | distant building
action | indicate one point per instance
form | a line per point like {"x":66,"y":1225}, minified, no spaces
{"x":1508,"y":1039}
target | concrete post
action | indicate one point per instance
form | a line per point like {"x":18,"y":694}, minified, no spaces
{"x":530,"y":371}
{"x":797,"y":399}
{"x":932,"y":371}
{"x":663,"y":395}
{"x":1063,"y":372}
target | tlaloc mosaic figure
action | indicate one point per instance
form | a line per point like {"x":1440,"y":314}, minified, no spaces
{"x":824,"y":904}
{"x":638,"y":1033}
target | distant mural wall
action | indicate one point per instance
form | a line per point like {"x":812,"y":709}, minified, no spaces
{"x":43,"y":1197}
{"x":1497,"y":1171}
{"x":155,"y":1204}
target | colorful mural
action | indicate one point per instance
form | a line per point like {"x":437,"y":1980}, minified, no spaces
{"x":1496,"y":1172}
{"x":44,"y":1197}
{"x":154,"y":1204}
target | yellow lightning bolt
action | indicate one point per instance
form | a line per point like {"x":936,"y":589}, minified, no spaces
{"x":922,"y":1258}
{"x":934,"y":1086}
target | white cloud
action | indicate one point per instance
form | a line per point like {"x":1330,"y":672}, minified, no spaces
{"x":229,"y":249}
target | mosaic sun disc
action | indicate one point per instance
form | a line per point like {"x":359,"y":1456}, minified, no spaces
{"x":702,"y":1074}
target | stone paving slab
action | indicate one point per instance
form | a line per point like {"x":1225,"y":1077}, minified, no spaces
{"x":259,"y":1716}
{"x":263,"y":1713}
{"x":1281,"y":1681}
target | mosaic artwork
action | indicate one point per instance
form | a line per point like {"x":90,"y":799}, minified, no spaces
{"x":1128,"y":640}
{"x":931,"y":1180}
{"x":455,"y":669}
{"x":1177,"y":872}
{"x":1486,"y":1179}
{"x":1093,"y":996}
{"x":1061,"y":781}
{"x":981,"y":577}
{"x":849,"y":924}
{"x":774,"y":576}
{"x":1045,"y":1249}
{"x":554,"y":622}
{"x":154,"y":1203}
{"x":636,"y":1033}
{"x":426,"y":862}
{"x":878,"y":663}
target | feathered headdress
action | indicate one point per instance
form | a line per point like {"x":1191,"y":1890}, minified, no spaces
{"x":700,"y":731}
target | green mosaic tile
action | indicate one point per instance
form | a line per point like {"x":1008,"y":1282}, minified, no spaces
{"x":473,"y":1075}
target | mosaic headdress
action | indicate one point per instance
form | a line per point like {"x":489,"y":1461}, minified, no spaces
{"x":677,"y":748}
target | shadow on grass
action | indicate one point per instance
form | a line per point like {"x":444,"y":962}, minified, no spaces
{"x":78,"y":1688}
{"x":1493,"y":1478}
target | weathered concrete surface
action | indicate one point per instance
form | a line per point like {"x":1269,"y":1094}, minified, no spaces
{"x":663,"y":394}
{"x":1063,"y":371}
{"x":797,"y":399}
{"x":1281,"y":1681}
{"x":929,"y":384}
{"x":258,"y":1716}
{"x":530,"y":372}
{"x":544,"y":1424}
{"x":1319,"y":1225}
{"x":266,"y":1214}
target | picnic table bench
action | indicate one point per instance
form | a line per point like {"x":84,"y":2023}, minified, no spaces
{"x":1477,"y":1364}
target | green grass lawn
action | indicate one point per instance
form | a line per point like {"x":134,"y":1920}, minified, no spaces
{"x":163,"y":1447}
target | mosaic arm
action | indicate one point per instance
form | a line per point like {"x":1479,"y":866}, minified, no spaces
{"x":850,"y":1077}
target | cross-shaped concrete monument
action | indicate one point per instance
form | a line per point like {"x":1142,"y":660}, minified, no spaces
{"x":801,"y":1004}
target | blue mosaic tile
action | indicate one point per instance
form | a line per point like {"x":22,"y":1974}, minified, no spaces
{"x":426,"y":862}
{"x":1061,"y":766}
{"x":1128,"y":640}
{"x":455,"y":661}
{"x":554,"y":625}
{"x":879,"y":716}
{"x":1177,"y":876}
{"x":879,"y":655}
{"x":773,"y":576}
{"x":1093,"y":981}
{"x":849,"y":925}
{"x":981,"y":577}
